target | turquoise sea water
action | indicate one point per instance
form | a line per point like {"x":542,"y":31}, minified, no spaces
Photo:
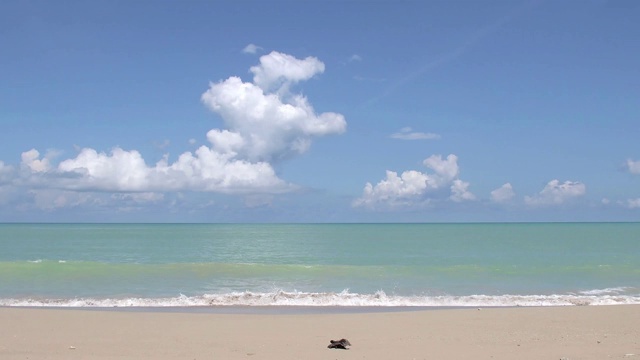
{"x":319,"y":264}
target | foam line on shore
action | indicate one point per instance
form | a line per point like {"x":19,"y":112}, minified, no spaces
{"x":344,"y":298}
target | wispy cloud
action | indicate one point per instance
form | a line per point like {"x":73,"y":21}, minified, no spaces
{"x":52,"y":199}
{"x":407,"y":133}
{"x":161,"y":145}
{"x":355,"y":57}
{"x":633,"y":203}
{"x":251,"y":49}
{"x":144,"y":197}
{"x":371,"y":79}
{"x":456,"y":52}
{"x":633,"y":166}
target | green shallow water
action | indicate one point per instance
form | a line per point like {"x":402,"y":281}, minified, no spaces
{"x":163,"y":260}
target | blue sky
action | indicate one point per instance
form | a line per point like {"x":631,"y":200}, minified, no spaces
{"x":319,"y":111}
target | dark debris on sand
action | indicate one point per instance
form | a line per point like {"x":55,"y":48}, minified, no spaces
{"x":339,"y":344}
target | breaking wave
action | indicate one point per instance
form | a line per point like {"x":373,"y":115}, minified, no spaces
{"x":344,"y":298}
{"x":607,"y":291}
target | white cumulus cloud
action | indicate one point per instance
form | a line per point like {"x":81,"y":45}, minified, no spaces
{"x":503,"y":194}
{"x":556,"y":193}
{"x":126,"y":171}
{"x":395,"y":190}
{"x":412,"y":187}
{"x":277,"y":69}
{"x":31,"y":160}
{"x":460,"y":192}
{"x":265,"y":126}
{"x":262,"y":126}
{"x":445,"y":170}
{"x":122,"y":170}
{"x":407,"y":133}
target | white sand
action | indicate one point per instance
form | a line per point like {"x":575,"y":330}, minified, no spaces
{"x":588,"y":332}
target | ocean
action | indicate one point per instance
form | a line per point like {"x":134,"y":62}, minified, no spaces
{"x":356,"y":265}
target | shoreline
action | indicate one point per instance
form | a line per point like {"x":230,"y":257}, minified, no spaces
{"x":293,"y":309}
{"x":620,"y":295}
{"x":257,"y":310}
{"x":569,"y":332}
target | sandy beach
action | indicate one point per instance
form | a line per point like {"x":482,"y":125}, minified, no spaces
{"x":582,"y":332}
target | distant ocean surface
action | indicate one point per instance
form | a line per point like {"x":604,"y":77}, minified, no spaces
{"x":184,"y":265}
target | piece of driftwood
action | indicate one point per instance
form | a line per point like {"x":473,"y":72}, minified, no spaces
{"x":339,"y":344}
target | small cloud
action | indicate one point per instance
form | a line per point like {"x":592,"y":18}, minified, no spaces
{"x":278,"y":71}
{"x":633,"y":203}
{"x":251,"y":49}
{"x":407,"y":133}
{"x":555,"y":193}
{"x":192,"y":141}
{"x":459,"y":192}
{"x":161,"y":145}
{"x":355,"y":57}
{"x":31,"y":160}
{"x":503,"y":194}
{"x":414,"y":188}
{"x":633,"y":166}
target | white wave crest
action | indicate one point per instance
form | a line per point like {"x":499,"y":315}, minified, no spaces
{"x":344,"y":298}
{"x":607,"y":291}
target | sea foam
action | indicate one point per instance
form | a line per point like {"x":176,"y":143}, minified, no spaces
{"x":344,"y":298}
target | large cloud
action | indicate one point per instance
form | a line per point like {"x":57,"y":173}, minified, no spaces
{"x":126,"y":171}
{"x":262,"y":126}
{"x":556,"y":193}
{"x":265,"y":123}
{"x":122,"y":170}
{"x":413,"y":188}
